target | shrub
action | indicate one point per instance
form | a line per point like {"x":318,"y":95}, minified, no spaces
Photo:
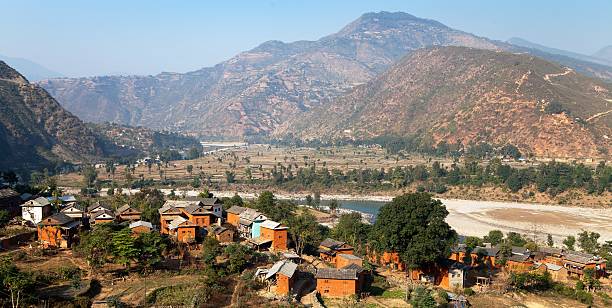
{"x":468,"y":292}
{"x":584,"y":297}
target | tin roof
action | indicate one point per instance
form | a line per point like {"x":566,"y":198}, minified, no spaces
{"x":284,"y":267}
{"x":335,"y":273}
{"x":236,"y":209}
{"x":141,"y":223}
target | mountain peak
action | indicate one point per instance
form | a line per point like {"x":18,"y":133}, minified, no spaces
{"x":9,"y":73}
{"x":380,"y":21}
{"x":604,"y":53}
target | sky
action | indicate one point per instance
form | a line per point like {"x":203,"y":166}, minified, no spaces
{"x":85,"y":38}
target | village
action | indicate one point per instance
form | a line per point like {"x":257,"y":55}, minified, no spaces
{"x":293,"y":259}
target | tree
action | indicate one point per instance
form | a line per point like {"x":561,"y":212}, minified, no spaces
{"x":14,"y":280}
{"x":494,"y":237}
{"x":549,"y":241}
{"x":588,"y":241}
{"x":473,"y":241}
{"x":94,"y":246}
{"x":189,"y":169}
{"x":515,"y":239}
{"x":238,"y":256}
{"x":317,"y":199}
{"x":413,"y":225}
{"x":150,"y":249}
{"x":351,"y":229}
{"x":210,"y":250}
{"x":422,"y":298}
{"x":510,"y":150}
{"x":569,"y":242}
{"x":89,"y":176}
{"x":124,"y":247}
{"x":333,"y":206}
{"x":272,"y":208}
{"x":5,"y":217}
{"x":303,"y":229}
{"x":230,"y":176}
{"x":309,"y":200}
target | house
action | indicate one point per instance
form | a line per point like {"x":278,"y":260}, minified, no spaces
{"x":57,"y":230}
{"x":100,"y":217}
{"x":96,"y":207}
{"x":128,"y":213}
{"x":249,"y":222}
{"x":140,"y":226}
{"x":35,"y":210}
{"x":328,"y":249}
{"x":577,"y":262}
{"x":222,"y":234}
{"x":195,"y":211}
{"x":389,"y":259}
{"x":557,"y":272}
{"x":276,"y":233}
{"x":343,"y":260}
{"x":338,"y":282}
{"x":233,"y":215}
{"x":282,"y":277}
{"x":519,"y":263}
{"x":182,"y":230}
{"x":213,"y":205}
{"x":74,"y":211}
{"x":10,"y":201}
{"x":446,"y":274}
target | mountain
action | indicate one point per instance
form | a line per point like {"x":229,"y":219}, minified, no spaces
{"x":465,"y":95}
{"x":527,"y":44}
{"x":604,"y":53}
{"x":32,"y":70}
{"x":256,"y":91}
{"x":35,"y":131}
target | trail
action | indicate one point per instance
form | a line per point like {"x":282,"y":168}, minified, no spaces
{"x":597,"y":115}
{"x":547,"y":76}
{"x":521,"y":81}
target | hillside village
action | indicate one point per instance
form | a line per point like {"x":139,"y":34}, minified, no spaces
{"x":280,"y":251}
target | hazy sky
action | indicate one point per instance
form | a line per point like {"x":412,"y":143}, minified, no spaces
{"x":81,"y":38}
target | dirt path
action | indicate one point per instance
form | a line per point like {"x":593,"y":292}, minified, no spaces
{"x":547,"y":76}
{"x":598,"y":115}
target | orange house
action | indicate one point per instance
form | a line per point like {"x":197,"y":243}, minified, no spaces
{"x":519,"y":263}
{"x":183,"y":230}
{"x":140,"y":226}
{"x":447,"y":274}
{"x":329,"y":248}
{"x":276,"y":233}
{"x":283,"y":275}
{"x":335,"y":282}
{"x":199,"y":216}
{"x":222,"y":234}
{"x":388,"y":259}
{"x":100,"y":217}
{"x":57,"y":230}
{"x":233,"y":215}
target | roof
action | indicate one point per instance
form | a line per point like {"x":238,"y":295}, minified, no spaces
{"x":141,"y":223}
{"x":251,"y":214}
{"x":332,"y":244}
{"x":348,"y":256}
{"x":245,"y":222}
{"x":72,"y":205}
{"x":236,"y":209}
{"x":98,"y":204}
{"x":124,"y":208}
{"x":290,"y":255}
{"x":284,"y":267}
{"x":259,"y":240}
{"x":40,"y":201}
{"x":8,"y":193}
{"x":97,"y":214}
{"x":273,"y":225}
{"x":553,"y":267}
{"x":518,"y":258}
{"x":579,"y":257}
{"x":68,"y":198}
{"x":459,"y":248}
{"x":192,"y":208}
{"x":179,"y":222}
{"x":177,"y":204}
{"x":57,"y":219}
{"x":355,"y":267}
{"x":209,"y":201}
{"x":551,"y":250}
{"x":335,"y":273}
{"x":519,"y":250}
{"x":218,"y":229}
{"x":489,"y":251}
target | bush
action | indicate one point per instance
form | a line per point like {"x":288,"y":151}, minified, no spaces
{"x":468,"y":292}
{"x":584,"y":297}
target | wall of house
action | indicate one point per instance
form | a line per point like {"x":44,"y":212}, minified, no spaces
{"x":35,"y":214}
{"x":130,"y":216}
{"x":284,"y":284}
{"x":516,"y":266}
{"x":342,"y":262}
{"x":278,"y":238}
{"x":256,"y":229}
{"x":186,"y":234}
{"x":225,"y":237}
{"x":140,"y":229}
{"x":51,"y":236}
{"x":233,"y":219}
{"x":336,"y":288}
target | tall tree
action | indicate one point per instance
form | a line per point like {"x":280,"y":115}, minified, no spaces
{"x":588,"y":241}
{"x":413,"y":225}
{"x":569,"y":242}
{"x":303,"y":229}
{"x":124,"y":247}
{"x":351,"y":229}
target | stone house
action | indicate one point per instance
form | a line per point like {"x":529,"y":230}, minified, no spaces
{"x":128,"y":213}
{"x":35,"y":210}
{"x":57,"y":231}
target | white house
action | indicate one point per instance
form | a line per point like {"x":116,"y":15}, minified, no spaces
{"x":35,"y":210}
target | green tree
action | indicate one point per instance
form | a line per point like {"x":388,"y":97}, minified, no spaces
{"x":588,"y":241}
{"x":274,"y":209}
{"x":124,"y":247}
{"x":422,"y":298}
{"x":569,"y":242}
{"x":494,"y":237}
{"x":472,"y":242}
{"x":210,"y":250}
{"x":230,"y":176}
{"x":5,"y":217}
{"x":189,"y":169}
{"x":14,"y":280}
{"x":150,"y":249}
{"x":94,"y":246}
{"x":413,"y":225}
{"x":303,"y":229}
{"x":238,"y":256}
{"x":333,"y":206}
{"x":351,"y":229}
{"x":549,"y":241}
{"x":90,"y":174}
{"x":515,"y":239}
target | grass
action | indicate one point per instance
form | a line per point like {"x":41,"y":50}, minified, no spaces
{"x":393,"y":294}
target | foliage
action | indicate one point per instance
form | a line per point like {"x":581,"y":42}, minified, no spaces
{"x":413,"y":225}
{"x":531,"y":281}
{"x":238,"y":256}
{"x":94,"y":246}
{"x":494,"y":237}
{"x":150,"y":248}
{"x":5,"y":217}
{"x":351,"y":229}
{"x":274,"y":209}
{"x":588,"y":241}
{"x":124,"y":247}
{"x":304,"y":230}
{"x":422,"y":298}
{"x":515,"y":239}
{"x":210,"y":250}
{"x":569,"y":242}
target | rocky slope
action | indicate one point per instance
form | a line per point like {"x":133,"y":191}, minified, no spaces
{"x":258,"y":90}
{"x":457,"y":94}
{"x":35,"y":130}
{"x":604,"y":53}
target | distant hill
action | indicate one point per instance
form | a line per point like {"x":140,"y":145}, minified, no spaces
{"x":31,"y":70}
{"x":256,"y":91}
{"x":464,"y":95}
{"x":604,"y":53}
{"x":35,"y":131}
{"x":525,"y":43}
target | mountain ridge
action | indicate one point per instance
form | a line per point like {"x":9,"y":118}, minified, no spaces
{"x":464,"y":95}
